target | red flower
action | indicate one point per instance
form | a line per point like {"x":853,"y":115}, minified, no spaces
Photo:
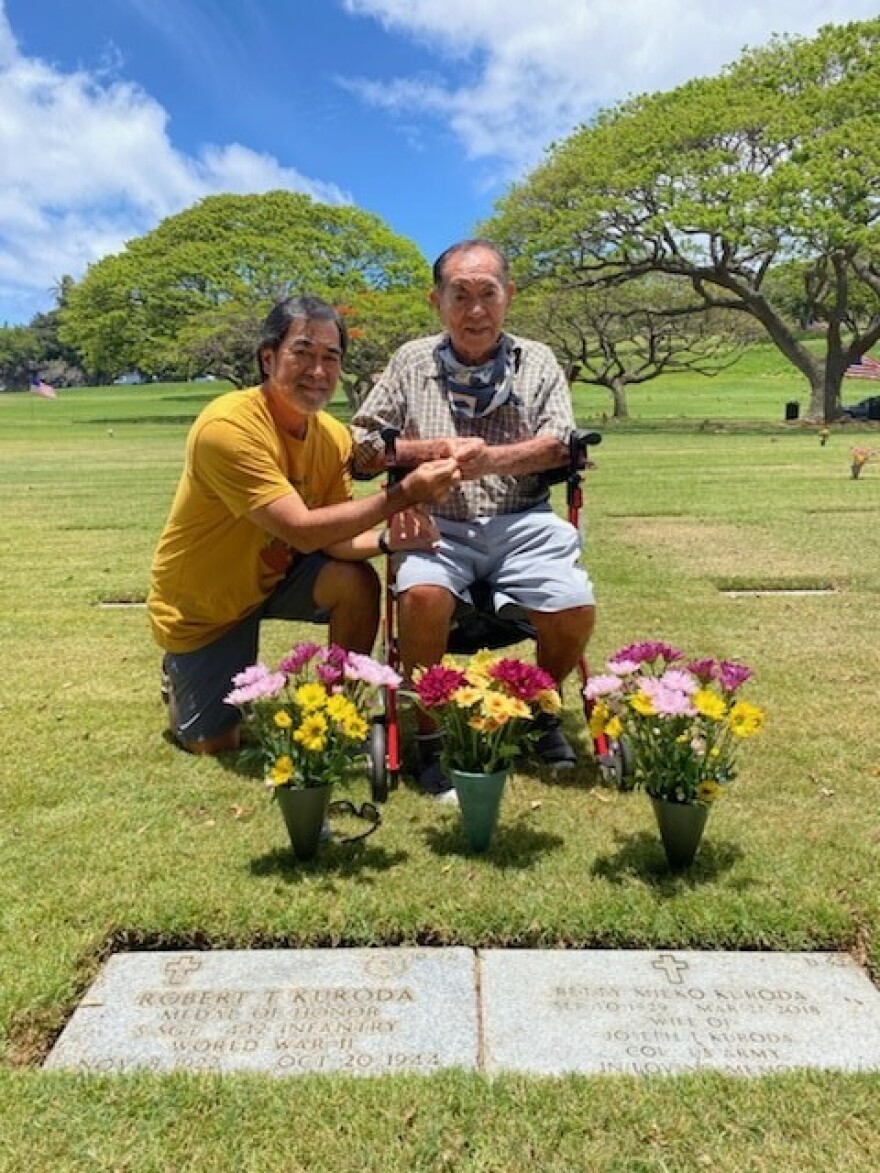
{"x":436,"y":686}
{"x":524,"y":681}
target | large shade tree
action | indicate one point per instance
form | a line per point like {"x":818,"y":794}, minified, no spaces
{"x":171,"y":298}
{"x":716,"y":182}
{"x":623,"y":337}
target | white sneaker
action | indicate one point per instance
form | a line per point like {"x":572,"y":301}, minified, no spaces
{"x":446,"y":797}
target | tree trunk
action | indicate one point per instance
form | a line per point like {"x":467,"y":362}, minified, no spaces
{"x":618,"y":396}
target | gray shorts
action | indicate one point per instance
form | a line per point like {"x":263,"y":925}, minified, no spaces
{"x":198,"y":681}
{"x":531,"y":560}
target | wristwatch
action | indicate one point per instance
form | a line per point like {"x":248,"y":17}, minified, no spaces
{"x":382,"y":542}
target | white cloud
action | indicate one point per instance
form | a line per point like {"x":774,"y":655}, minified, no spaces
{"x":540,"y":69}
{"x":86,"y":164}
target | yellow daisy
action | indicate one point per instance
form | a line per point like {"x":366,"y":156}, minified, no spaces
{"x":312,"y":733}
{"x":311,"y":697}
{"x":745,"y":720}
{"x":282,"y":771}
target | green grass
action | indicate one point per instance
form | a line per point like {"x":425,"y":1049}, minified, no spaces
{"x":110,"y":837}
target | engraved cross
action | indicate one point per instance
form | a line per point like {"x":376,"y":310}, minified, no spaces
{"x":177,"y":972}
{"x":668,"y":965}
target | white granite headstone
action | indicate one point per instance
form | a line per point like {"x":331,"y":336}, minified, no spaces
{"x":286,"y":1012}
{"x":604,"y":1011}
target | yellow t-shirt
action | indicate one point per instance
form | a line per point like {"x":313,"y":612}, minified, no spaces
{"x":212,"y":565}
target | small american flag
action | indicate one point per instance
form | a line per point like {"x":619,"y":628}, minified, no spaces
{"x":866,"y":368}
{"x":38,"y":387}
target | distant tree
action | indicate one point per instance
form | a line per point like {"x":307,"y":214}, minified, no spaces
{"x":714,"y":183}
{"x":58,"y":362}
{"x":220,"y":264}
{"x":37,"y":349}
{"x":379,"y":321}
{"x":19,"y":356}
{"x":621,"y":337}
{"x":222,"y":342}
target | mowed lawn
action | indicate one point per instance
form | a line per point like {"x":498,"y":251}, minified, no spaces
{"x":111,"y":838}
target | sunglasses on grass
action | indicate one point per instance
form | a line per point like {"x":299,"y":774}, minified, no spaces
{"x":367,"y":811}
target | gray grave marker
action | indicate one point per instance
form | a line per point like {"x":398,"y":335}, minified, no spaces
{"x":287,"y":1012}
{"x":377,"y":1011}
{"x":608,"y":1011}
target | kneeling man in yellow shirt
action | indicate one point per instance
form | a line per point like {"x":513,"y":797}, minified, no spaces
{"x":263,"y":525}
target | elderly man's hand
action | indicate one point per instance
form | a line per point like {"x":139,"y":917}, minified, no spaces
{"x":431,"y":481}
{"x":472,"y":455}
{"x":413,"y":529}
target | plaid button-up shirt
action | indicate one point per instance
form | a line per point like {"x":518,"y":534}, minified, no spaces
{"x":411,"y":396}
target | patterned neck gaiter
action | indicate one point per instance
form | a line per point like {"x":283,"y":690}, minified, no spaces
{"x":477,"y":391}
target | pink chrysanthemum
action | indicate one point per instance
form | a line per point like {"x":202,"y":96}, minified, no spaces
{"x":670,"y":702}
{"x":370,"y":671}
{"x":265,"y":687}
{"x":250,"y":675}
{"x":679,"y":680}
{"x":598,"y":686}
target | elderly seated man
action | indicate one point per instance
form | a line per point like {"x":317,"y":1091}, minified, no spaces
{"x":499,"y":405}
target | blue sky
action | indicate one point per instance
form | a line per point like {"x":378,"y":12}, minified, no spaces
{"x":117,"y":113}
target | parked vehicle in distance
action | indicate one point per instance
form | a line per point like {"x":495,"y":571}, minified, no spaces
{"x":865,"y":409}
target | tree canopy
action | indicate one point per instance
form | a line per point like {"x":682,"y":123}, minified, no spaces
{"x":172,"y":298}
{"x":714,"y":183}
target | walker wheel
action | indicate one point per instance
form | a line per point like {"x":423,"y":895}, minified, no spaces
{"x":378,"y":762}
{"x":616,"y":766}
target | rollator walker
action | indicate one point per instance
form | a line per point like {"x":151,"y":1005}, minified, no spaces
{"x":474,"y":626}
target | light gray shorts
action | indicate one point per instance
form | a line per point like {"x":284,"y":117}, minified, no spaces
{"x":531,"y":559}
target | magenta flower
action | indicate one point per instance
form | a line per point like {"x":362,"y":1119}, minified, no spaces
{"x":524,"y":681}
{"x":298,"y":657}
{"x":733,"y":675}
{"x":437,"y":684}
{"x":704,"y":669}
{"x":649,"y":651}
{"x":330,"y":670}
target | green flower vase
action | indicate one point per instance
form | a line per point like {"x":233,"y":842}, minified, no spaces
{"x":681,"y":829}
{"x":479,"y":800}
{"x":304,"y":809}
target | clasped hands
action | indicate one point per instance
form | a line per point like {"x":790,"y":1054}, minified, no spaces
{"x":413,"y":528}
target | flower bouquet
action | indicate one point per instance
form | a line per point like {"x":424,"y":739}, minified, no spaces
{"x":486,"y":713}
{"x":308,"y":720}
{"x":678,"y":724}
{"x":680,"y":718}
{"x":859,"y":457}
{"x":486,"y":710}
